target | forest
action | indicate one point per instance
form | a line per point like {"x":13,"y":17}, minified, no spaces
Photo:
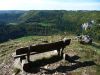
{"x":15,"y":24}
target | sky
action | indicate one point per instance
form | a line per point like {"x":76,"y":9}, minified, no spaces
{"x":49,"y":4}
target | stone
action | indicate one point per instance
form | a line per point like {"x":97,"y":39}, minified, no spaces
{"x":85,"y":39}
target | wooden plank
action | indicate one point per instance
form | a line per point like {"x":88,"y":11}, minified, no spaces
{"x":22,"y":50}
{"x":22,"y":55}
{"x":44,"y":47}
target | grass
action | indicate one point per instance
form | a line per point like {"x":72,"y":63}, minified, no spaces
{"x":16,"y":71}
{"x":86,"y":52}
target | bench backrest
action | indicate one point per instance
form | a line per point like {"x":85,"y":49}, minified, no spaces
{"x":44,"y":47}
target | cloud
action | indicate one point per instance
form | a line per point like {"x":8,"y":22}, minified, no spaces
{"x":19,"y":4}
{"x":48,"y":5}
{"x":70,"y":5}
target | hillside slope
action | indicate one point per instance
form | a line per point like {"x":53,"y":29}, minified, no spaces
{"x":85,"y":52}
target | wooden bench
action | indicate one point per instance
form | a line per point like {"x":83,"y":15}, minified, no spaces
{"x":26,"y":52}
{"x":40,"y":48}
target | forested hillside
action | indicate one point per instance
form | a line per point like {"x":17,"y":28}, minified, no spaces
{"x":10,"y":16}
{"x":47,"y":22}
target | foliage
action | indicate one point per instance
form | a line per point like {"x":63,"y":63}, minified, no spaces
{"x":47,"y":22}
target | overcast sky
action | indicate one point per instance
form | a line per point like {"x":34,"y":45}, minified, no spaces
{"x":49,"y":4}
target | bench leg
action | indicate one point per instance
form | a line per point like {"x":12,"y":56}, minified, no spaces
{"x":28,"y":53}
{"x":28,"y":56}
{"x":60,"y":52}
